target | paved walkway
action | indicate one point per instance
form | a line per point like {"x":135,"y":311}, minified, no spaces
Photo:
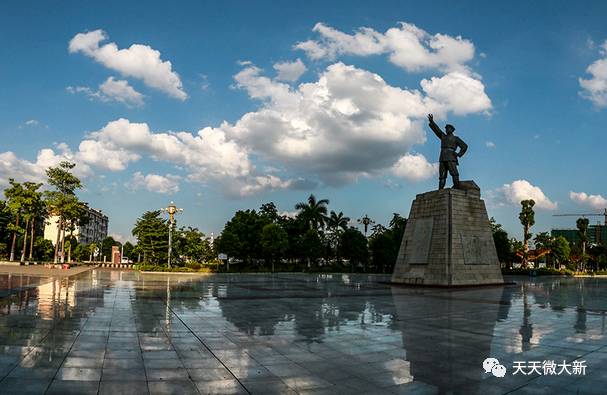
{"x":41,"y":271}
{"x":119,"y":332}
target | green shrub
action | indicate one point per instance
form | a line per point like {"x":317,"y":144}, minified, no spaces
{"x":543,"y":271}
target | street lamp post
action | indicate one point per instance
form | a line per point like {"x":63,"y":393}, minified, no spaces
{"x":366,"y":221}
{"x":171,"y":210}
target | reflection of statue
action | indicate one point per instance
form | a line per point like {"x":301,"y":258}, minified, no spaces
{"x":448,"y":152}
{"x":446,"y":351}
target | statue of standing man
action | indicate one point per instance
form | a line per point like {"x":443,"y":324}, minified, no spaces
{"x":448,"y":152}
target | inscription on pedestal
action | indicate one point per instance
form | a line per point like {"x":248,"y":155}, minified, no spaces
{"x":420,"y":243}
{"x":476,"y":250}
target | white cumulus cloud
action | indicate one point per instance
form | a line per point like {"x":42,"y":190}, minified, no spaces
{"x":520,"y":190}
{"x":11,"y":166}
{"x":157,"y":183}
{"x":595,"y":88}
{"x":207,"y":154}
{"x":347,"y":124}
{"x":121,"y":91}
{"x":594,"y":201}
{"x":289,"y":71}
{"x":111,"y":90}
{"x":407,"y":46}
{"x":137,"y":61}
{"x":457,"y":92}
{"x":414,"y":167}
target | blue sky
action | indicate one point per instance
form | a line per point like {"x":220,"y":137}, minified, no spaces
{"x":345,"y":122}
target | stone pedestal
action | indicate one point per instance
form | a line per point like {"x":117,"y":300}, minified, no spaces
{"x":448,"y":241}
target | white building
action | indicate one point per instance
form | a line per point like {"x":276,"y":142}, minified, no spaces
{"x":92,"y":232}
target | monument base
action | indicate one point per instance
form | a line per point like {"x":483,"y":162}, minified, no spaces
{"x":448,"y":242}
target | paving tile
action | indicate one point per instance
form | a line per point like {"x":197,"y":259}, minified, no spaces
{"x":210,"y":374}
{"x":163,"y":363}
{"x":80,"y":362}
{"x":59,"y":387}
{"x":225,"y":387}
{"x":78,"y":374}
{"x":123,"y":374}
{"x":123,"y":388}
{"x":166,"y":374}
{"x":18,"y":385}
{"x":123,"y":363}
{"x":183,"y":387}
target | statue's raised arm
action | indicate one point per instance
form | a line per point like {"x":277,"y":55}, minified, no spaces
{"x":435,"y":128}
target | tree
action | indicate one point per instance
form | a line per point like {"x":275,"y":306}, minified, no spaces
{"x":269,"y":211}
{"x":228,"y":243}
{"x":274,"y":242}
{"x":384,"y":250}
{"x":542,"y":240}
{"x":106,"y":247}
{"x":313,"y":212}
{"x":43,"y":249}
{"x":503,"y":245}
{"x":38,"y":216}
{"x":353,"y":246}
{"x":75,"y":214}
{"x":311,"y":246}
{"x":384,"y":243}
{"x":128,"y":250}
{"x":582,"y":226}
{"x":598,"y":255}
{"x":560,"y":250}
{"x":245,"y":227}
{"x":5,"y":221}
{"x":15,"y":196}
{"x":193,"y":245}
{"x":527,"y":218}
{"x":152,"y":233}
{"x":31,"y":206}
{"x":62,"y":198}
{"x":337,"y":224}
{"x":81,"y":253}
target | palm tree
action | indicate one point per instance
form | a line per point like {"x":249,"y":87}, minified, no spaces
{"x":313,"y":212}
{"x":337,"y":224}
{"x":527,"y":218}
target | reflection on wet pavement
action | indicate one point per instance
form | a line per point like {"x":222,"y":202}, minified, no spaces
{"x":112,"y":332}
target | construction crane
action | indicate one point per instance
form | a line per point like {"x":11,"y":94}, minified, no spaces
{"x":604,"y":214}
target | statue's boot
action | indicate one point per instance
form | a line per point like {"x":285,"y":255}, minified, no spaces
{"x":456,"y":182}
{"x":441,"y":183}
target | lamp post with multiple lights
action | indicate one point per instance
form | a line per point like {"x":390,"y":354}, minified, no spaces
{"x":366,"y":221}
{"x":171,"y":210}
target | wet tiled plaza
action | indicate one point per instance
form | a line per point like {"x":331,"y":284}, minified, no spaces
{"x":112,"y":332}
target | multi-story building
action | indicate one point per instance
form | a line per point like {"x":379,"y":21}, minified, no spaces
{"x":94,"y":231}
{"x":597,"y":234}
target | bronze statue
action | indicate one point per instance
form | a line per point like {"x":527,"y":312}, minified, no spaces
{"x":448,"y":152}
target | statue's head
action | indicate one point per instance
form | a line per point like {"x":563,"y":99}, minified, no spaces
{"x":449,"y":128}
